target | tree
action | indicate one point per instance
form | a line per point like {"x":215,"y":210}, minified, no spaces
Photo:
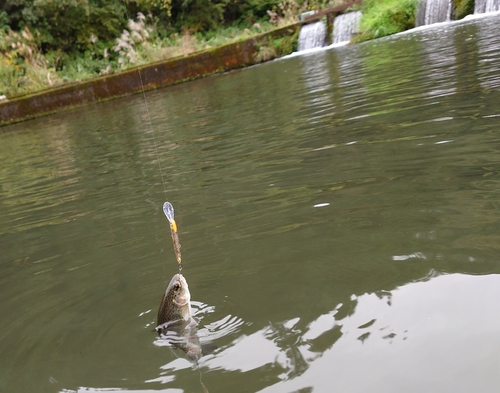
{"x":67,"y":25}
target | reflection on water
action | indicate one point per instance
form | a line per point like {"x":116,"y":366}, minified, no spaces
{"x":338,"y":214}
{"x":354,"y":352}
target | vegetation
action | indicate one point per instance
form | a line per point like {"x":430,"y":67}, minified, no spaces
{"x":44,"y":43}
{"x":385,"y":17}
{"x":463,"y":8}
{"x":271,"y":49}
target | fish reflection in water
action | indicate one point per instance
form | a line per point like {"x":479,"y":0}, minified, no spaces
{"x":183,"y":335}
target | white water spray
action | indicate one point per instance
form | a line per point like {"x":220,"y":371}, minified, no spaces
{"x":345,"y":26}
{"x":433,"y":11}
{"x":312,"y":35}
{"x":482,"y":6}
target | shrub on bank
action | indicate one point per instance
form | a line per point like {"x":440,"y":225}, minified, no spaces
{"x":385,"y":17}
{"x":463,"y":8}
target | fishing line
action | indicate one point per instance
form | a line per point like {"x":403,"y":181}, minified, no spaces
{"x":168,"y":209}
{"x":173,"y":225}
{"x":152,"y":131}
{"x":205,"y":390}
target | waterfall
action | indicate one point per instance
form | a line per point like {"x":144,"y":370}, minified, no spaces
{"x":433,"y":11}
{"x":312,"y":35}
{"x":482,"y":6}
{"x":345,"y":26}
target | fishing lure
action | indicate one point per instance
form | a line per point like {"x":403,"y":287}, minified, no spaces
{"x":168,"y":209}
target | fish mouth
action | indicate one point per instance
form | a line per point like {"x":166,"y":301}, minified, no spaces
{"x":181,"y":288}
{"x":181,"y":281}
{"x":178,"y":283}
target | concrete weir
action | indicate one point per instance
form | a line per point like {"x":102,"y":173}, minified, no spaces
{"x":160,"y":74}
{"x":155,"y":75}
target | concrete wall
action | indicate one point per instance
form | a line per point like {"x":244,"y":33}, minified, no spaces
{"x":160,"y":74}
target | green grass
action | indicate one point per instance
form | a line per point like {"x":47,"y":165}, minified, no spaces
{"x":385,"y":17}
{"x":463,"y":8}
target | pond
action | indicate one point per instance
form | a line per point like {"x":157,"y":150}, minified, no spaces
{"x":338,"y":211}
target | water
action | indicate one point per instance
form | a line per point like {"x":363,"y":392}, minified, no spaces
{"x":345,"y":26}
{"x":433,"y":11}
{"x":482,"y":6}
{"x":312,"y":35}
{"x":338,"y":213}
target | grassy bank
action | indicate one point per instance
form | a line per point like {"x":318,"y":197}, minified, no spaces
{"x":25,"y":67}
{"x":28,"y":64}
{"x":386,"y":17}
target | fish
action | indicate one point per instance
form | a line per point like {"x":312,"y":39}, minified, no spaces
{"x":175,"y":321}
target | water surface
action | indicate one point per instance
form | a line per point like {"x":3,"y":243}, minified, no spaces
{"x":338,"y":212}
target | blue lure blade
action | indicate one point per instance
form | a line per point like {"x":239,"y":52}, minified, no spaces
{"x":168,"y":209}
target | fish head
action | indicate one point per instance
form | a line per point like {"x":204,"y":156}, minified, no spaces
{"x":180,"y":291}
{"x":175,"y":304}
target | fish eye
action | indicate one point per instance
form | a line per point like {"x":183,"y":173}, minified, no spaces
{"x":177,"y":287}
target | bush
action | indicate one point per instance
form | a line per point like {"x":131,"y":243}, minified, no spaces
{"x":67,"y":25}
{"x":385,"y":17}
{"x":463,"y":8}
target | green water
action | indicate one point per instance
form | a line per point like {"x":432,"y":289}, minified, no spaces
{"x":339,"y":215}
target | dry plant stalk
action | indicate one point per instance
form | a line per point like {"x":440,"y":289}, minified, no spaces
{"x":188,"y":43}
{"x":127,"y":44}
{"x":36,"y":70}
{"x":288,"y":12}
